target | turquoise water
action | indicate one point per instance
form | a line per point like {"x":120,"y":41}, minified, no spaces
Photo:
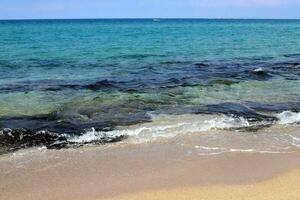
{"x":66,"y":76}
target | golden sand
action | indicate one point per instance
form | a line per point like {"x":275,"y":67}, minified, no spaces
{"x":154,"y":171}
{"x":284,"y":187}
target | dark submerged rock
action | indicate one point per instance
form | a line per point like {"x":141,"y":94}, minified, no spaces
{"x":15,"y":139}
{"x":201,"y":64}
{"x":24,"y":138}
{"x":236,"y":110}
{"x":104,"y":84}
{"x":222,"y":82}
{"x":260,"y":74}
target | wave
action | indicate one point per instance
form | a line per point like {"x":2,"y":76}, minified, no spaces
{"x":12,"y":140}
{"x":168,"y":126}
{"x":288,"y":117}
{"x":79,"y":125}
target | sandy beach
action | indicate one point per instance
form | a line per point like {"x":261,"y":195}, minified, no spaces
{"x":283,"y":187}
{"x":157,"y":170}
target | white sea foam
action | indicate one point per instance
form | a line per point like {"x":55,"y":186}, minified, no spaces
{"x":259,"y":70}
{"x":204,"y":150}
{"x":93,"y":135}
{"x":206,"y":142}
{"x":168,"y":126}
{"x":288,"y":117}
{"x":295,"y":141}
{"x":209,"y":148}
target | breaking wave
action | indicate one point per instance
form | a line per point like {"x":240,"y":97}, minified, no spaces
{"x":168,"y":126}
{"x":161,"y":126}
{"x":288,"y":117}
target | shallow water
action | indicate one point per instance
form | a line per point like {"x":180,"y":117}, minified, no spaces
{"x":60,"y":79}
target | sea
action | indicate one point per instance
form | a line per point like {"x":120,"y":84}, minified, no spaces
{"x":71,"y":83}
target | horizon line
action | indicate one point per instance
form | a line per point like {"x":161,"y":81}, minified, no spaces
{"x":141,"y":18}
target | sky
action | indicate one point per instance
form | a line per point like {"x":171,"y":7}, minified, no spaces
{"x":53,"y":9}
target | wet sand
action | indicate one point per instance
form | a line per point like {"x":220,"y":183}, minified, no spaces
{"x":105,"y":172}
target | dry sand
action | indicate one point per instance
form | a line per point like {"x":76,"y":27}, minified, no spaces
{"x":283,"y":187}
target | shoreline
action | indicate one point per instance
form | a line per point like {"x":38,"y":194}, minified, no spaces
{"x":116,"y":171}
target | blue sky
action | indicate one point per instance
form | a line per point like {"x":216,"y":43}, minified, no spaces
{"x":26,"y":9}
